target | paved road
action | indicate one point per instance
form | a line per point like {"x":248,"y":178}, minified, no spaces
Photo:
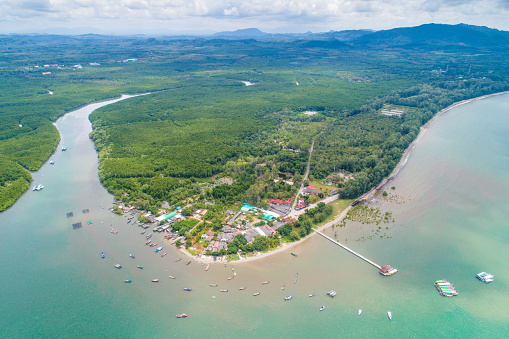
{"x":305,"y":178}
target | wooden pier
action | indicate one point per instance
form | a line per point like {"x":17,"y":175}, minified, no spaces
{"x":349,"y":250}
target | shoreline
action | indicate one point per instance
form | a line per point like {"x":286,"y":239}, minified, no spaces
{"x":366,"y":196}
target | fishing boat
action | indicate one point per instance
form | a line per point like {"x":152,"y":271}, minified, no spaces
{"x":294,"y":254}
{"x":164,"y":254}
{"x":242,"y":288}
{"x":159,"y":249}
{"x":312,"y":294}
{"x":331,"y":293}
{"x":188,"y":289}
{"x":118,"y":266}
{"x":149,"y":235}
{"x":265,"y":282}
{"x":255,"y":294}
{"x":207,"y":268}
{"x":389,"y":314}
{"x":153,"y":245}
{"x":155,"y":280}
{"x":224,"y":290}
{"x":171,"y":277}
{"x":128,"y":281}
{"x":102,"y":254}
{"x":288,"y":297}
{"x":213,"y":285}
{"x":140,"y":267}
{"x":178,"y":259}
{"x":322,"y":308}
{"x":485,"y":277}
{"x":360,"y":312}
{"x":131,"y":255}
{"x":51,"y":162}
{"x":183,"y":315}
{"x":283,"y":287}
{"x":188,"y":262}
{"x":143,"y":232}
{"x":128,"y":221}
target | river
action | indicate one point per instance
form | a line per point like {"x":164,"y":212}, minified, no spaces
{"x":451,"y":221}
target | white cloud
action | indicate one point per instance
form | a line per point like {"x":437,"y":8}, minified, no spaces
{"x":216,"y":15}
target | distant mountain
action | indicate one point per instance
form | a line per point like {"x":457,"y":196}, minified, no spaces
{"x":435,"y":35}
{"x":242,"y":34}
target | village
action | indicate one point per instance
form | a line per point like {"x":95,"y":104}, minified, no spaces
{"x":244,"y":230}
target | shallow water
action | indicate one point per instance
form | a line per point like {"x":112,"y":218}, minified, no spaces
{"x":451,"y":224}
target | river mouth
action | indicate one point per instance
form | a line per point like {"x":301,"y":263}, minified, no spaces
{"x":451,"y":226}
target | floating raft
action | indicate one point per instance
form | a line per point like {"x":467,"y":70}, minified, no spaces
{"x":445,"y":288}
{"x":485,"y":277}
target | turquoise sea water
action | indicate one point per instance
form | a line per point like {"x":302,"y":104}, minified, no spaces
{"x":451,"y":222}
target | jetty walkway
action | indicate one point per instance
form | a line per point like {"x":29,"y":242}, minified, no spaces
{"x":349,"y":250}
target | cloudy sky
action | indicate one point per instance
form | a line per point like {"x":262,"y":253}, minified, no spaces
{"x":209,"y":16}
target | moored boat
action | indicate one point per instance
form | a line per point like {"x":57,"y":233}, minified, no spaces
{"x":159,"y":249}
{"x":128,"y":281}
{"x":178,"y":259}
{"x":143,"y":232}
{"x":164,"y":254}
{"x":149,"y":235}
{"x":64,"y":148}
{"x":485,"y":277}
{"x":445,"y":288}
{"x":288,"y":297}
{"x":38,"y":187}
{"x":118,"y":266}
{"x":183,"y":315}
{"x":155,"y":280}
{"x":188,"y":262}
{"x":188,"y":289}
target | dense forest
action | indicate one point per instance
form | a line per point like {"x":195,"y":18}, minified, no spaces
{"x":203,"y":121}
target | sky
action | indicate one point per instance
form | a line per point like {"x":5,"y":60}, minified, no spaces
{"x":209,"y":16}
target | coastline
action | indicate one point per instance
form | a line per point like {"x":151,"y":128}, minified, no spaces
{"x":366,"y":196}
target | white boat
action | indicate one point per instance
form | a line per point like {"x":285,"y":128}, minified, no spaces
{"x":51,"y":162}
{"x":207,"y":268}
{"x":155,"y":280}
{"x":164,"y":254}
{"x":38,"y":187}
{"x":118,"y":266}
{"x":389,"y":314}
{"x":322,"y":308}
{"x":360,"y":312}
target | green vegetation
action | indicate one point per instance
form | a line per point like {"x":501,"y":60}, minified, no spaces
{"x":202,"y":123}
